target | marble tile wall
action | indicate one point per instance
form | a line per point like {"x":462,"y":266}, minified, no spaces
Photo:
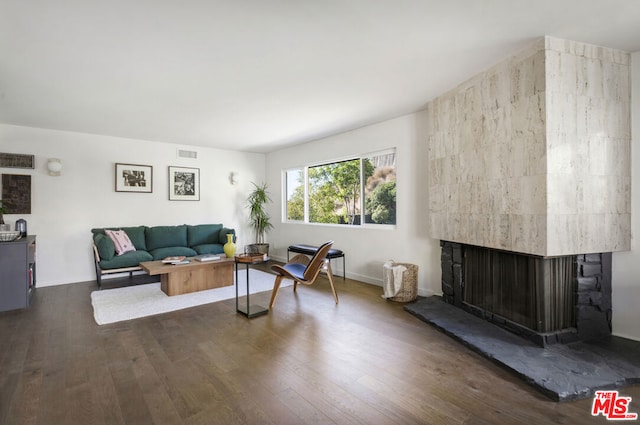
{"x":532,"y":154}
{"x":588,"y":148}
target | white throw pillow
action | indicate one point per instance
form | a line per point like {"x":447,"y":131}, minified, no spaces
{"x":121,"y":241}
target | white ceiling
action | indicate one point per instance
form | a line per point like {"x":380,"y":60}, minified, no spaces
{"x":258,"y":75}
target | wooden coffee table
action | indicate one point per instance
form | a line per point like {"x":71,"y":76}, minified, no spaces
{"x":195,"y":276}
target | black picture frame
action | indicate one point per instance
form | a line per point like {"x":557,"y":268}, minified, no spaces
{"x":134,"y":178}
{"x":184,"y":184}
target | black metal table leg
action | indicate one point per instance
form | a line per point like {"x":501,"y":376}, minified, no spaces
{"x":250,"y":311}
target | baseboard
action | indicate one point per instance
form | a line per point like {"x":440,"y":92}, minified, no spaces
{"x":362,"y":278}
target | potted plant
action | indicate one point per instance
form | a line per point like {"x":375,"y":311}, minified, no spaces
{"x":3,"y":210}
{"x":259,"y":220}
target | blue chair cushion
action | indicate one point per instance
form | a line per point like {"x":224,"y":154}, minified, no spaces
{"x":296,"y":269}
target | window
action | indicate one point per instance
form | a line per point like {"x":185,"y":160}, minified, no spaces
{"x":294,"y":187}
{"x":380,"y":189}
{"x":350,"y":192}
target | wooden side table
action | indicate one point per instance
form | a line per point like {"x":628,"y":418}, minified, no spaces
{"x":249,"y":310}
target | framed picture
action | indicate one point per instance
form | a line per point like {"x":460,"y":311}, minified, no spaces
{"x":184,"y":184}
{"x":16,"y":193}
{"x":134,"y":178}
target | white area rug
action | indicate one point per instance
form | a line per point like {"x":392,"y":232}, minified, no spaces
{"x":132,"y":302}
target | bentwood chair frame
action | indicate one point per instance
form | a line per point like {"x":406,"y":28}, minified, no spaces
{"x":302,"y":270}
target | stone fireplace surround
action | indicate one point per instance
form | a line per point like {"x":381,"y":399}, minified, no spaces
{"x":532,"y":156}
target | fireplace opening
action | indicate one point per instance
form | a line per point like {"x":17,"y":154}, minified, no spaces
{"x":545,"y":299}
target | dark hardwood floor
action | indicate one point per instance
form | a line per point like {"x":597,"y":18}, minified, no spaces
{"x":309,"y":361}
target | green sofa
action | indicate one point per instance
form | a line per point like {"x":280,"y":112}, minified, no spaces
{"x":156,"y":243}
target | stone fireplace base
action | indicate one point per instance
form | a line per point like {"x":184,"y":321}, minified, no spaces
{"x":562,"y":372}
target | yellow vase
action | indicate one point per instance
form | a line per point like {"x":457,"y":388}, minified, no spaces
{"x":230,"y":247}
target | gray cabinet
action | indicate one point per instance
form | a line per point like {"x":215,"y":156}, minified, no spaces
{"x":17,"y":273}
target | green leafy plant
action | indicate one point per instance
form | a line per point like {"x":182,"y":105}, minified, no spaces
{"x":259,"y":220}
{"x":382,"y":203}
{"x":3,"y":210}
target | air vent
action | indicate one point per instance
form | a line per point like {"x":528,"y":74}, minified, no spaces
{"x":187,"y":154}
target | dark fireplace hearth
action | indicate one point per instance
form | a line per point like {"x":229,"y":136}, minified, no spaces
{"x":561,"y":371}
{"x":554,"y":317}
{"x":545,"y":299}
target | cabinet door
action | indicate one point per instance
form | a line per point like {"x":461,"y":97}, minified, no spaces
{"x":13,"y":276}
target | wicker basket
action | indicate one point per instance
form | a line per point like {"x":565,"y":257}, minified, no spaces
{"x":409,"y":289}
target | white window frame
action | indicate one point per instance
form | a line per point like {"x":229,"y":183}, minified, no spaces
{"x":305,"y":174}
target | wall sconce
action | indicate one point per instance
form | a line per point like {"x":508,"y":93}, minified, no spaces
{"x":233,"y":178}
{"x":54,"y":166}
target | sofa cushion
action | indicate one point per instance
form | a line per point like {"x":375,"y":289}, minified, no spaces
{"x":104,"y":244}
{"x":209,"y":248}
{"x":128,"y":259}
{"x":172,"y":251}
{"x":203,"y":234}
{"x":136,"y":235}
{"x":223,"y":235}
{"x":166,"y":236}
{"x":121,"y":241}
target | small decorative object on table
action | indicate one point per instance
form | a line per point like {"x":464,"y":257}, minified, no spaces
{"x":180,"y":259}
{"x":21,"y":226}
{"x":251,"y":258}
{"x":229,"y":247}
{"x":207,"y":257}
{"x":9,"y":236}
{"x":3,"y":210}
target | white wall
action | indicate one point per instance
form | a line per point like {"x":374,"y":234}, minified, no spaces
{"x":367,"y":249}
{"x":626,"y":265}
{"x":65,"y":208}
